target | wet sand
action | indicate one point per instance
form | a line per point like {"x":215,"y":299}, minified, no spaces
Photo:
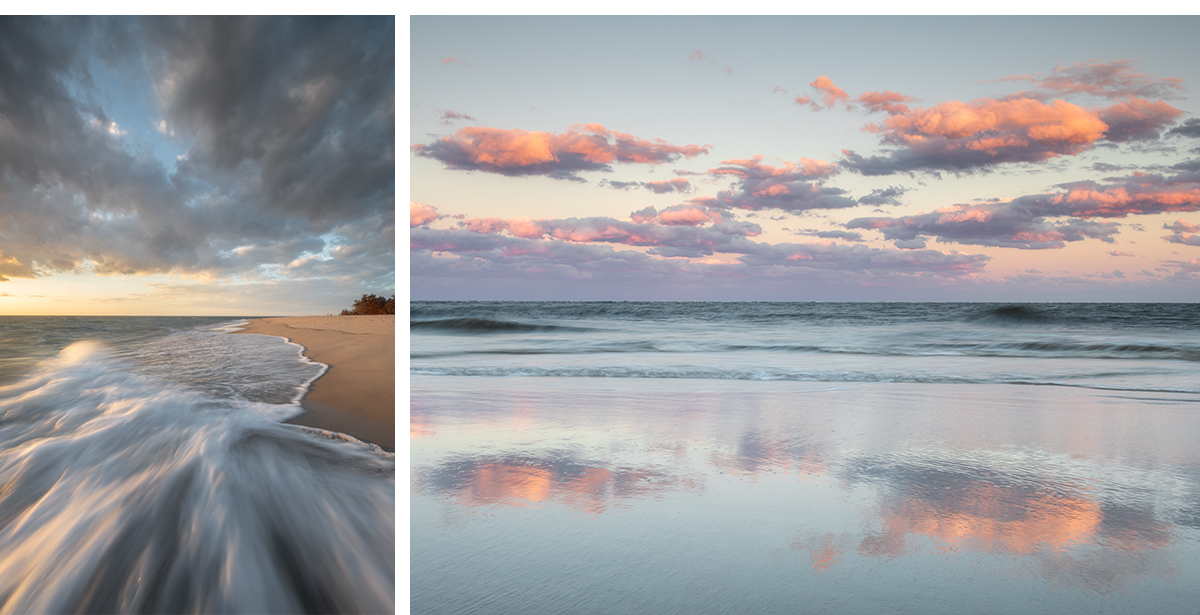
{"x":591,"y":495}
{"x":357,"y":395}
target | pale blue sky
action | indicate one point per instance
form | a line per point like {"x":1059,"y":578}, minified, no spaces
{"x":642,"y":76}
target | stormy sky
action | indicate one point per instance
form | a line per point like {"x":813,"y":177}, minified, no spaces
{"x":805,"y":158}
{"x":196,"y":165}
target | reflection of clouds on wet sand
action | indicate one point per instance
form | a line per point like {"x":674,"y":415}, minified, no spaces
{"x":756,"y":452}
{"x":1067,"y":495}
{"x":530,"y":481}
{"x":1072,"y":536}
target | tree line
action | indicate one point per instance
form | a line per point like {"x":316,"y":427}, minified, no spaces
{"x":371,"y":304}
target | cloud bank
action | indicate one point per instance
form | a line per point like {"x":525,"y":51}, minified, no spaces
{"x":286,"y":130}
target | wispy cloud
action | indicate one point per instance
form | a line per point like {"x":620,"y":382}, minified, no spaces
{"x":699,"y":56}
{"x":1115,"y":79}
{"x":661,"y":186}
{"x":448,"y":117}
{"x":828,"y":93}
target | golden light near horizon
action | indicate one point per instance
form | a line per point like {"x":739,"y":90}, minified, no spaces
{"x":190,"y":188}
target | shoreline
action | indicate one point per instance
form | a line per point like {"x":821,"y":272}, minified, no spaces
{"x":357,"y":393}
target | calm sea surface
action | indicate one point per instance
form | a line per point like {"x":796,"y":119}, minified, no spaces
{"x":804,"y":457}
{"x":143,"y":468}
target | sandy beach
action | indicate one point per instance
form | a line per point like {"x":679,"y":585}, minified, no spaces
{"x":357,"y":395}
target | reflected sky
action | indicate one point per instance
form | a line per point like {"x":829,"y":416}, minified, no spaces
{"x":1064,"y":488}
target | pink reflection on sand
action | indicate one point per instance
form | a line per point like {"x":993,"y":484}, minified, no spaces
{"x":533,"y":482}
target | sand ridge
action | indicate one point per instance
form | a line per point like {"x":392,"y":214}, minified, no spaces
{"x":357,"y":395}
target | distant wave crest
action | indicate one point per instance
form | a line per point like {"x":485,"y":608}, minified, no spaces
{"x":484,"y":325}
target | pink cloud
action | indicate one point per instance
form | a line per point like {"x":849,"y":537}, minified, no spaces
{"x":1136,"y":119}
{"x":453,"y":60}
{"x":420,"y":214}
{"x":959,"y":136}
{"x":1119,"y":253}
{"x":516,"y":152}
{"x":886,"y":101}
{"x":787,"y":187}
{"x":690,"y":215}
{"x":489,"y":256}
{"x":829,"y":93}
{"x":1027,"y":221}
{"x":1186,"y":233}
{"x":675,"y":231}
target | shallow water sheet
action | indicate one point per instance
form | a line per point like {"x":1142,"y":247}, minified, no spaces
{"x":584,"y":495}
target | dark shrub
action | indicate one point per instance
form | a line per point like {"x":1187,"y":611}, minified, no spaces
{"x":371,"y":304}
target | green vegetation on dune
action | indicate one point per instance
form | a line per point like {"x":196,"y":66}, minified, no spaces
{"x":372,"y":304}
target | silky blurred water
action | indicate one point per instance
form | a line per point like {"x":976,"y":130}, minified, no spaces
{"x":143,"y":468}
{"x":609,"y":458}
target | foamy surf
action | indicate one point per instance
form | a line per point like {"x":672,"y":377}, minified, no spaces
{"x":127,"y":492}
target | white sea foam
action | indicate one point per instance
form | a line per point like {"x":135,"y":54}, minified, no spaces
{"x":123,"y":491}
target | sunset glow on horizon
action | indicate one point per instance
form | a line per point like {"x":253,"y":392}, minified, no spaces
{"x":804,"y":158}
{"x":195,"y":166}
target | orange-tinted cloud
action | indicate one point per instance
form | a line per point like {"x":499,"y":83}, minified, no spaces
{"x":420,"y":214}
{"x":1137,"y":119}
{"x":453,"y":60}
{"x":887,"y":101}
{"x":532,"y":482}
{"x":516,"y":152}
{"x":688,"y":215}
{"x":829,"y":94}
{"x":959,"y":136}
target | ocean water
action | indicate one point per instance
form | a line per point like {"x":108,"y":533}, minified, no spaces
{"x":144,"y":468}
{"x":804,"y":457}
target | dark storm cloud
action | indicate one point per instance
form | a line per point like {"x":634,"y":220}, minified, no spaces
{"x":308,"y":104}
{"x":290,"y":125}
